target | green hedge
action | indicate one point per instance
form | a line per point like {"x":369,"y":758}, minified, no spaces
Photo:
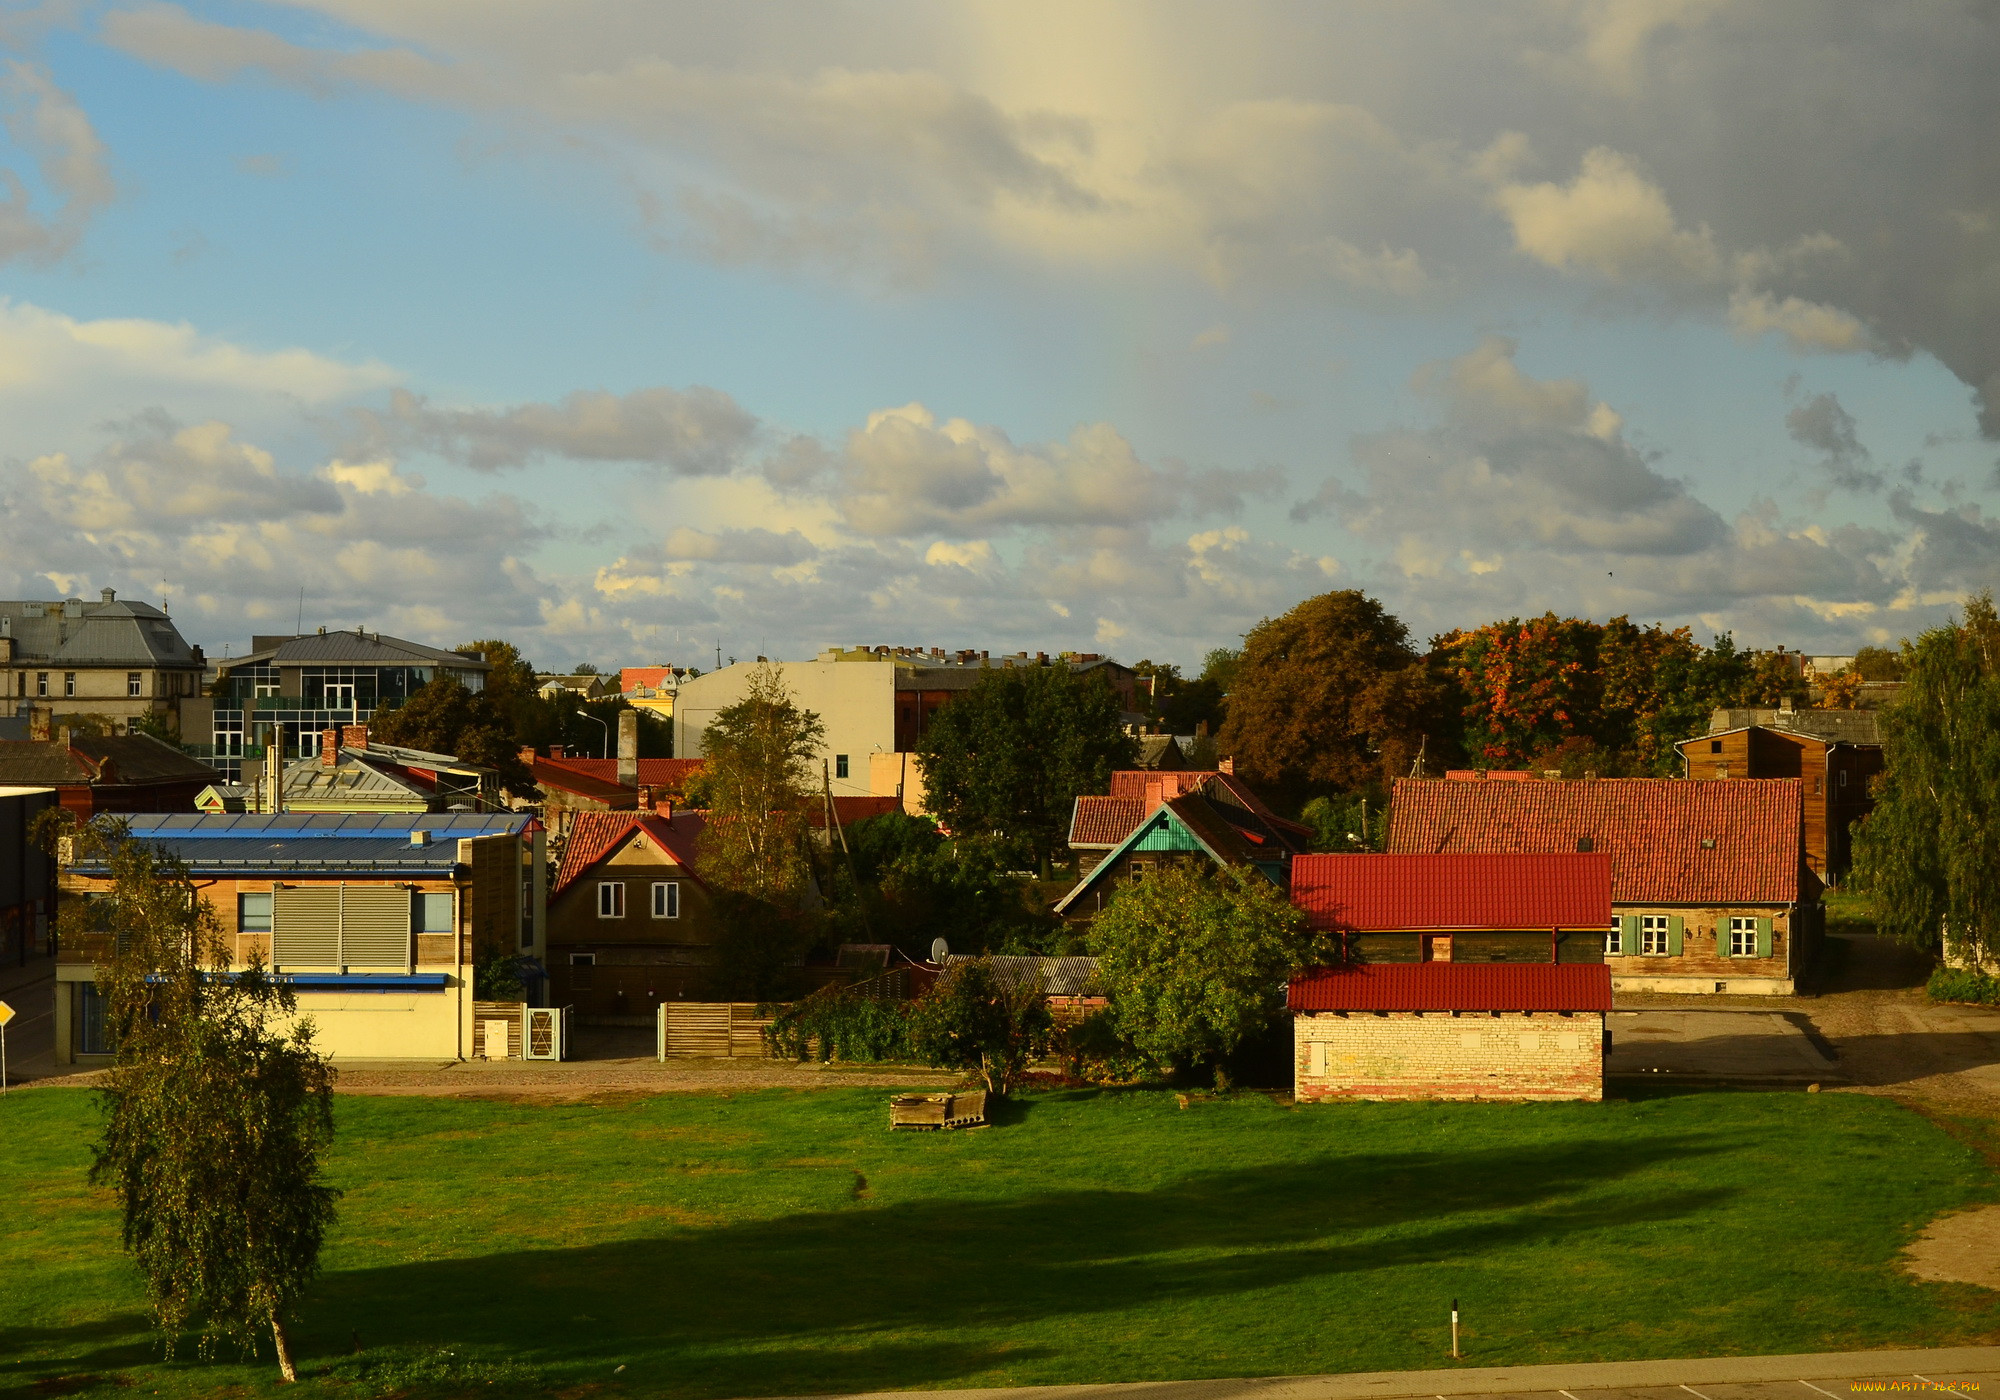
{"x":1963,"y":984}
{"x":837,"y":1023}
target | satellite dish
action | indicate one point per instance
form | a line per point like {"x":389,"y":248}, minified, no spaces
{"x":940,"y":950}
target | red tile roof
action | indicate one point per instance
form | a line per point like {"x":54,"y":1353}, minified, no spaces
{"x":1453,"y":987}
{"x":852,"y":809}
{"x":551,"y":773}
{"x":595,"y":835}
{"x":668,"y":774}
{"x":1132,"y":782}
{"x":1104,"y":821}
{"x":1671,"y":840}
{"x":1371,"y":893}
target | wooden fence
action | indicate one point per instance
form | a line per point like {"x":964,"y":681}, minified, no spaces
{"x":711,"y":1030}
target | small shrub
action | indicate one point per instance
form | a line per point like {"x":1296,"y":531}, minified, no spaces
{"x":1964,"y":984}
{"x":400,"y":1371}
{"x":839,"y":1023}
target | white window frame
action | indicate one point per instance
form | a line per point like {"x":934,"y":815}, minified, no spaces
{"x":610,"y":899}
{"x":1653,"y":936}
{"x":1614,"y":938}
{"x":69,"y":685}
{"x":666,"y":899}
{"x":1742,"y":936}
{"x":41,"y":684}
{"x":135,"y":685}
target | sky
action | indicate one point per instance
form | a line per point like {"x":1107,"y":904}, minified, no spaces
{"x":631,"y":330}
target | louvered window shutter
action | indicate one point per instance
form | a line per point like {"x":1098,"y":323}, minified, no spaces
{"x":375,"y":928}
{"x":1764,"y":937}
{"x":1676,"y":931}
{"x":305,"y":928}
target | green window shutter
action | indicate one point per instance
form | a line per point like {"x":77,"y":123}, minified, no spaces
{"x":1628,"y":933}
{"x":1676,"y":931}
{"x":1764,"y":937}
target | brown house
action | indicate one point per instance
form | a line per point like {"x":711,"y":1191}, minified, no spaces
{"x":630,"y":922}
{"x":1835,"y":755}
{"x":1710,"y":891}
{"x":94,"y":773}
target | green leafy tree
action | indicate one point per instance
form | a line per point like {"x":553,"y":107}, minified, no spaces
{"x":1352,"y":823}
{"x":1878,"y":664}
{"x":1011,"y":754}
{"x":1331,"y":695}
{"x":1195,"y":960}
{"x":1219,"y":667}
{"x":1181,"y":705}
{"x":444,"y":717}
{"x":216,"y":1120}
{"x":1926,"y":852}
{"x":974,"y":1018}
{"x":758,"y":780}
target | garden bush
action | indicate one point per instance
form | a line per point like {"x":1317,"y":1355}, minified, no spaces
{"x":839,"y":1023}
{"x":1964,"y":984}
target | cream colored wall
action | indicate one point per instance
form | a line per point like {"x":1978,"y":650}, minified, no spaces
{"x":888,"y":771}
{"x":390,"y":1025}
{"x":856,"y":701}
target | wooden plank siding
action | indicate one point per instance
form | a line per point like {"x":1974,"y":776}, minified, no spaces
{"x":1835,"y":782}
{"x":715,"y":1030}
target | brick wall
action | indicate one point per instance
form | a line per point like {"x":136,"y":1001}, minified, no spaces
{"x":1447,"y":1055}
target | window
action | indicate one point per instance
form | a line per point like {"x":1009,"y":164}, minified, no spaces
{"x":583,"y":970}
{"x":840,"y":765}
{"x":69,"y":682}
{"x":1715,"y":746}
{"x":1653,"y":935}
{"x":41,"y":682}
{"x":433,"y":913}
{"x":253,"y":913}
{"x":1614,"y":937}
{"x":1742,"y":938}
{"x":667,"y":899}
{"x":134,"y":683}
{"x":610,"y":899}
{"x":92,"y":1037}
{"x":1843,"y":777}
{"x":1138,"y":870}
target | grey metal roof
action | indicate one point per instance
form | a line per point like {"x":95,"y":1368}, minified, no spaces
{"x":357,"y":648}
{"x":134,"y":758}
{"x":1834,"y":726}
{"x":110,"y":632}
{"x":358,"y":854}
{"x":1060,"y":977}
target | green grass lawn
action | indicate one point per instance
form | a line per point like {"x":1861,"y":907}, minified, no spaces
{"x":783,"y":1242}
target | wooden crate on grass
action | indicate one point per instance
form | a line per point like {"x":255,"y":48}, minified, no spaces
{"x":928,"y":1113}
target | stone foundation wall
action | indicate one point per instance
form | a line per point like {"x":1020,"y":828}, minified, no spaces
{"x":1448,"y":1055}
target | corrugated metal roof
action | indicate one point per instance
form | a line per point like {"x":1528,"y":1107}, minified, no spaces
{"x":1671,"y":840}
{"x":1379,"y":893}
{"x":330,"y":855}
{"x":669,"y":774}
{"x":133,"y":758}
{"x":1060,"y":977}
{"x":378,"y":826}
{"x":357,"y":648}
{"x":1833,"y":726}
{"x":1453,"y":987}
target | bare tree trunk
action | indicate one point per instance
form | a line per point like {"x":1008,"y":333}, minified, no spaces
{"x":285,"y":1366}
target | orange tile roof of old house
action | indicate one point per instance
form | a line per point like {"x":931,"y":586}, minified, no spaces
{"x":595,"y":835}
{"x":1671,"y":840}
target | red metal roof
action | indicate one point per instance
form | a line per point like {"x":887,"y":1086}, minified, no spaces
{"x":595,"y":835}
{"x":1372,"y":893}
{"x":1104,"y":821}
{"x":1453,"y":987}
{"x":852,"y":809}
{"x":1671,"y":840}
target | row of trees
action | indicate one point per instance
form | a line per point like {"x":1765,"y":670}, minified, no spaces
{"x":1334,"y":699}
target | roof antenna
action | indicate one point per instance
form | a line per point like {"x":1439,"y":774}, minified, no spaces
{"x":300,"y":625}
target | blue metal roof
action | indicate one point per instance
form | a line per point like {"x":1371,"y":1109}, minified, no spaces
{"x":373,"y":826}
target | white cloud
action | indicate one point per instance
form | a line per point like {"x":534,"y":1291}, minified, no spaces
{"x":1807,"y":325}
{"x":70,"y":160}
{"x":1610,"y":220}
{"x":692,"y":432}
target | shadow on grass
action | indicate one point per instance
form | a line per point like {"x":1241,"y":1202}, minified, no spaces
{"x":849,"y":1299}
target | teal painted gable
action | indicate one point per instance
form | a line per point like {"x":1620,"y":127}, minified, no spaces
{"x":1166,"y":833}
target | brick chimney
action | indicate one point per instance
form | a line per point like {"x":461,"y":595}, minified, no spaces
{"x":628,"y":748}
{"x":1155,"y":794}
{"x":1225,"y":765}
{"x":645,"y":801}
{"x":354,"y":736}
{"x":556,"y":750}
{"x":329,"y":748}
{"x":665,"y":807}
{"x":38,"y":724}
{"x":527,"y":755}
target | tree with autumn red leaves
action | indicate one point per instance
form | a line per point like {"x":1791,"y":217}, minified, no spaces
{"x":1331,"y":696}
{"x":1576,"y":696}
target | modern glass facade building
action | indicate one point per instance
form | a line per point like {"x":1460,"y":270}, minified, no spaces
{"x":289,"y":689}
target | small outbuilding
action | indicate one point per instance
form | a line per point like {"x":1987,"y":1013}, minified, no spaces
{"x":1469,"y":977}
